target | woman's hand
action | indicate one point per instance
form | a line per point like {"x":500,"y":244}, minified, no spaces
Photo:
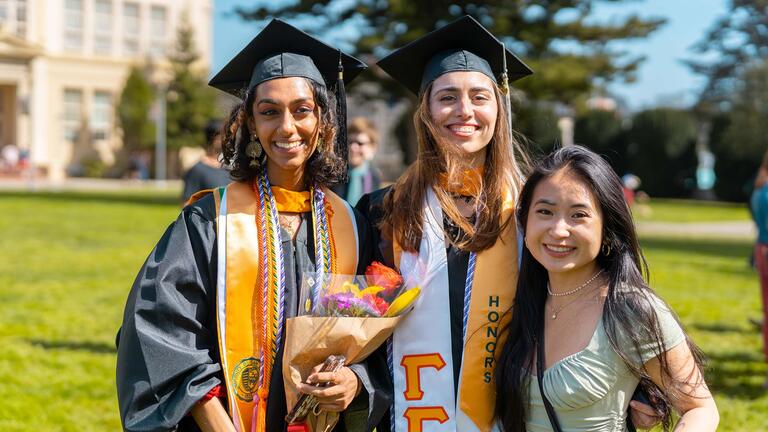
{"x":338,"y":391}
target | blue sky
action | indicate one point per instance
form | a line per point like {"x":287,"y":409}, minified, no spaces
{"x":662,"y":77}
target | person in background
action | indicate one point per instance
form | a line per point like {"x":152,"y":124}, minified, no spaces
{"x":208,"y":172}
{"x":10,"y":158}
{"x":138,"y":165}
{"x":363,"y":176}
{"x":759,"y":206}
{"x":630,"y":183}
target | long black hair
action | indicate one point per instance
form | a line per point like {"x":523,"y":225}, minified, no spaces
{"x":323,"y":167}
{"x":629,"y":316}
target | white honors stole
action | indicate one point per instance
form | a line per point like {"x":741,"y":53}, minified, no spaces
{"x":422,"y":361}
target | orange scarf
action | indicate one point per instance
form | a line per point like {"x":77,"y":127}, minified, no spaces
{"x":292,"y":201}
{"x":469,"y":183}
{"x":287,"y":200}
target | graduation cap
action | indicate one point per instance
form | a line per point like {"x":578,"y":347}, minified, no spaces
{"x":463,"y":45}
{"x":281,"y":50}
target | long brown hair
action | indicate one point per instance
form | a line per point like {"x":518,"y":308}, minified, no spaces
{"x":323,"y":167}
{"x":505,"y":163}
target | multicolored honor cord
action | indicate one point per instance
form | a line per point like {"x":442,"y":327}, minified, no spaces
{"x":325,"y":262}
{"x":272,"y":278}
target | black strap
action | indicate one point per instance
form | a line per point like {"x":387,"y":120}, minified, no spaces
{"x":540,"y":376}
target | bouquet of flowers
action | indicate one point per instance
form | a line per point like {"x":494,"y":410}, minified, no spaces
{"x":379,"y":293}
{"x":345,"y":317}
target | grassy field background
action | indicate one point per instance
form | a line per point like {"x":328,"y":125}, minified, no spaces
{"x":672,"y":210}
{"x":67,"y":262}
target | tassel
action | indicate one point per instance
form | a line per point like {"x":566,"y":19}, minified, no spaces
{"x":341,"y":147}
{"x":259,"y":418}
{"x":505,"y":87}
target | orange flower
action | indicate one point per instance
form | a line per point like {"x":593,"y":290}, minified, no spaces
{"x":379,"y":274}
{"x":378,"y":303}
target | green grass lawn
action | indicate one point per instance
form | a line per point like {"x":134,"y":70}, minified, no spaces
{"x":670,"y":210}
{"x":67,"y":262}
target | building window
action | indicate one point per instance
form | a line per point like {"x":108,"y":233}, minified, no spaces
{"x":73,"y":106}
{"x":131,"y":32}
{"x":13,"y":16}
{"x":157,"y":31}
{"x":101,"y":115}
{"x":102,"y":28}
{"x":21,"y":18}
{"x":73,"y":25}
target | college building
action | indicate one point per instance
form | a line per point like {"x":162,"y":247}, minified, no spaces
{"x":63,"y":64}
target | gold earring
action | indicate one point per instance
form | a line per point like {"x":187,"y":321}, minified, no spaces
{"x":606,"y":249}
{"x":254,"y":151}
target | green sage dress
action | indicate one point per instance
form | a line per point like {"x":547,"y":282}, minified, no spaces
{"x":590,"y":390}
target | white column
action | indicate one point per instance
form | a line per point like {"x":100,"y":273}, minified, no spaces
{"x":565,"y":124}
{"x":43,"y":151}
{"x":23,"y":106}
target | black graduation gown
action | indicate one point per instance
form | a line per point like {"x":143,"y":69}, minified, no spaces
{"x":168,"y":356}
{"x":370,"y":205}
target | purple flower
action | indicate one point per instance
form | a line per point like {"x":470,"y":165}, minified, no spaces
{"x":347,"y":305}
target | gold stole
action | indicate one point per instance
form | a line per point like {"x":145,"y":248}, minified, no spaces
{"x":490,"y":310}
{"x":237,"y":304}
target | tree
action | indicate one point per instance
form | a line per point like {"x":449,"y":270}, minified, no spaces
{"x":603,"y":132}
{"x":191,"y":103}
{"x":132,"y":112}
{"x":731,"y":56}
{"x":661,"y":151}
{"x":531,"y":29}
{"x":537,"y":122}
{"x":734,"y":44}
{"x":747,"y":133}
{"x":739,"y":135}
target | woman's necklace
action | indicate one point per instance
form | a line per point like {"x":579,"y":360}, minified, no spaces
{"x":575,"y":290}
{"x":290,"y":222}
{"x":556,"y":311}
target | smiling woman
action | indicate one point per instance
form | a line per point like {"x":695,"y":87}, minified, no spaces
{"x":449,"y":221}
{"x":565,"y":228}
{"x":464,"y":110}
{"x":586,"y":329}
{"x":203,"y":331}
{"x":288,"y":124}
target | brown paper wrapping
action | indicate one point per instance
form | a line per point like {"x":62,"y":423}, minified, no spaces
{"x":310,"y":340}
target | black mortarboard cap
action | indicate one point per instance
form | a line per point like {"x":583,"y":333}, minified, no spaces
{"x":281,"y":50}
{"x":463,"y":45}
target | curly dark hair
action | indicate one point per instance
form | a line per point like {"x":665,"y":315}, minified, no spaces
{"x":324,"y":167}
